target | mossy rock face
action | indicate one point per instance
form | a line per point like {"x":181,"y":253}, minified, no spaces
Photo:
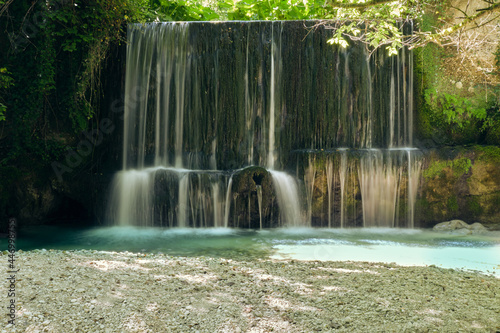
{"x":319,"y":202}
{"x":485,"y":178}
{"x":461,"y":183}
{"x":489,"y":213}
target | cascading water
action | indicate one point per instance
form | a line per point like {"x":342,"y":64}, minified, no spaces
{"x":286,"y":192}
{"x":285,"y":186}
{"x":217,"y":115}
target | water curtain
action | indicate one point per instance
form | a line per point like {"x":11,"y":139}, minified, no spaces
{"x":263,"y":124}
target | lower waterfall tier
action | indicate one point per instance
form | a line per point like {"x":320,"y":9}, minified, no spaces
{"x":336,"y":188}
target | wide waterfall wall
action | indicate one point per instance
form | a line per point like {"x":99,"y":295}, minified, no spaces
{"x":258,"y":124}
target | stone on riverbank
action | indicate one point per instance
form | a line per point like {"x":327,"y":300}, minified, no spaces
{"x":460,"y":227}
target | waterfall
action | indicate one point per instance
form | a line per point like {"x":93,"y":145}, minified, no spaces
{"x":392,"y":111}
{"x":286,"y":191}
{"x":309,"y":177}
{"x":343,"y":174}
{"x":217,"y":115}
{"x":272,"y":108}
{"x":183,"y":200}
{"x":227,"y":203}
{"x":379,"y":180}
{"x":414,"y":168}
{"x":329,"y":188}
{"x":132,"y":204}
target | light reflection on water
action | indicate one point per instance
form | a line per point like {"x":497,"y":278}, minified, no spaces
{"x":402,"y":246}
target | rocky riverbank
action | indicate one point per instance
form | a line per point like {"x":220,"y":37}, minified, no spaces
{"x":90,"y":291}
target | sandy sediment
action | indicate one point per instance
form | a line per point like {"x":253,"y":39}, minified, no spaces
{"x":90,"y":291}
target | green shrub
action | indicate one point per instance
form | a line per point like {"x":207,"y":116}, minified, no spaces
{"x":456,"y":109}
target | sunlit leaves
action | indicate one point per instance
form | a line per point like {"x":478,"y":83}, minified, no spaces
{"x":387,"y":15}
{"x":339,"y":37}
{"x":339,"y":41}
{"x":385,"y":18}
{"x":272,"y":9}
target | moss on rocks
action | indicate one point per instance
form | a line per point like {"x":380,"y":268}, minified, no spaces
{"x":246,"y":201}
{"x":460,"y":184}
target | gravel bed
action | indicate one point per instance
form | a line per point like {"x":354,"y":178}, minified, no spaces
{"x":96,"y":291}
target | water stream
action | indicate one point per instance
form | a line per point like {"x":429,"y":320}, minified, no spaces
{"x":401,"y":246}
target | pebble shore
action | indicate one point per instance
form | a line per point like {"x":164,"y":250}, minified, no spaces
{"x":96,"y":291}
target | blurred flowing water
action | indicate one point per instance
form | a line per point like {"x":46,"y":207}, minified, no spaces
{"x":207,"y":101}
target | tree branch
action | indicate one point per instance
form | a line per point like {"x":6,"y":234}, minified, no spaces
{"x":464,"y":22}
{"x":485,"y":23}
{"x":5,"y":6}
{"x":458,"y":9}
{"x":337,"y":4}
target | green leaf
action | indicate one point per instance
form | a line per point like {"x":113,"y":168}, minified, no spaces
{"x":3,"y":108}
{"x":339,"y":41}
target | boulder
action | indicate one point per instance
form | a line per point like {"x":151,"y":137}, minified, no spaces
{"x":460,"y":227}
{"x":451,"y":225}
{"x":477,"y":228}
{"x":461,"y":232}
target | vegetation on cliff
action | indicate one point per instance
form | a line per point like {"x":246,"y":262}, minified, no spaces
{"x":461,"y":182}
{"x":457,"y":82}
